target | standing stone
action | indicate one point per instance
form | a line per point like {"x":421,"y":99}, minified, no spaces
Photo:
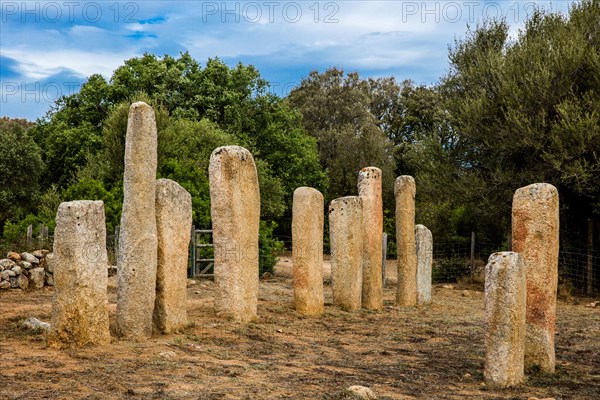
{"x":173,"y":224}
{"x":345,"y":227}
{"x":307,"y":251}
{"x":369,"y":191}
{"x":136,"y":271}
{"x":79,"y":306}
{"x":504,"y":319}
{"x":535,"y":230}
{"x":235,"y":213}
{"x":404,"y":191}
{"x":424,"y":247}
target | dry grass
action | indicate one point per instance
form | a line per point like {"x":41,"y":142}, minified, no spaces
{"x":434,"y":352}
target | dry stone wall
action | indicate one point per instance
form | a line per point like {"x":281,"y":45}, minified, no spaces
{"x":25,"y":271}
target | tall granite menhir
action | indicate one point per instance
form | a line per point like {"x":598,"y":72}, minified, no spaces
{"x":79,"y":260}
{"x":345,"y":227}
{"x":424,"y":248}
{"x":504,"y":319}
{"x":369,"y":191}
{"x":307,"y":251}
{"x":173,"y":223}
{"x":235,"y":212}
{"x":136,"y":264}
{"x":404,"y":191}
{"x":535,"y":230}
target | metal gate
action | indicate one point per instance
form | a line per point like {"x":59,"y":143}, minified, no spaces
{"x":200,"y":265}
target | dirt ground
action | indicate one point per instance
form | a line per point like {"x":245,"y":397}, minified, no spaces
{"x":433,"y":352}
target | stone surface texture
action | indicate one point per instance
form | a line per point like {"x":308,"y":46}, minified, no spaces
{"x":173,"y":224}
{"x":37,"y":277}
{"x":535,"y":234}
{"x":235,"y":212}
{"x":137,"y":260}
{"x":424,"y":248}
{"x":369,"y":191}
{"x":345,"y":227}
{"x":404,"y":191}
{"x":307,"y":251}
{"x":80,"y":302}
{"x":505,"y":297}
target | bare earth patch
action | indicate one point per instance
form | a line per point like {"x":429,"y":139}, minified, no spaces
{"x":433,"y":352}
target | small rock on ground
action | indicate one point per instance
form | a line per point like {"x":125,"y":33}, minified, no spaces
{"x":191,"y":282}
{"x":361,"y":392}
{"x":35,"y":324}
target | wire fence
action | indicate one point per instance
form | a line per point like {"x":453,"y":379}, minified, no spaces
{"x":578,"y":267}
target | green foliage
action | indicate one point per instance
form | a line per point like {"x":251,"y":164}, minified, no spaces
{"x":91,"y":189}
{"x":336,"y":111}
{"x":510,"y":112}
{"x":449,"y":269}
{"x":197,"y":109}
{"x":389,"y":227}
{"x":21,"y":168}
{"x":108,"y":163}
{"x":16,"y":232}
{"x":72,"y":131}
{"x":527,"y":111}
{"x":269,"y":247}
{"x":185,"y":149}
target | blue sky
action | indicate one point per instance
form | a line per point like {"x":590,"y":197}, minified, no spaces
{"x":49,"y":48}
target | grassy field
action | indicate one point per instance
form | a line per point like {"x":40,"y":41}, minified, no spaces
{"x":433,"y":352}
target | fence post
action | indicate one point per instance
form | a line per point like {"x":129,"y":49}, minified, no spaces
{"x":590,"y":267}
{"x":29,"y":235}
{"x":383,"y":257}
{"x":40,"y":235}
{"x":45,"y":233}
{"x":193,"y":252}
{"x":472,"y":256}
{"x":116,"y":244}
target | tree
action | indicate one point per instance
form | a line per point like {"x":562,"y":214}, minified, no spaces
{"x":21,"y":167}
{"x":336,"y":111}
{"x":71,"y":131}
{"x":528,"y":110}
{"x":197,"y":109}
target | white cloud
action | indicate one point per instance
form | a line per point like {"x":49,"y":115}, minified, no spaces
{"x":47,"y":62}
{"x":381,"y":37}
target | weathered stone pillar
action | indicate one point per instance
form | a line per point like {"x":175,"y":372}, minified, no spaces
{"x":307,"y":251}
{"x":535,"y":230}
{"x":345,"y":227}
{"x":174,"y":224}
{"x":504,"y":319}
{"x":80,"y":262}
{"x":404,"y":191}
{"x":235,"y":212}
{"x":369,"y":191}
{"x":136,"y":264}
{"x":424,"y":248}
